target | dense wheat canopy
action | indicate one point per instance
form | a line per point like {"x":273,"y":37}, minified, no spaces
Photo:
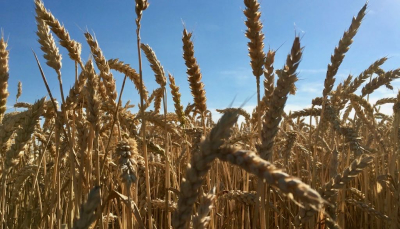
{"x":92,"y":161}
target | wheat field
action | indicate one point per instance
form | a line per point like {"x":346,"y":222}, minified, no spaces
{"x":89,"y":161}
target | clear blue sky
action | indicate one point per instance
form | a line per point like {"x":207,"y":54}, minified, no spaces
{"x":220,"y":44}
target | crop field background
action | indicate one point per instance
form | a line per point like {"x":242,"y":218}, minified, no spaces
{"x":89,"y":157}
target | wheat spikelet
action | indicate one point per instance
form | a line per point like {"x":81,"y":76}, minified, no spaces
{"x":3,"y":77}
{"x":194,"y":74}
{"x":73,"y":47}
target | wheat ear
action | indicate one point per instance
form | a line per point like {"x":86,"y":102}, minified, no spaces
{"x":102,"y":64}
{"x":19,"y":91}
{"x":73,"y":47}
{"x":194,"y":74}
{"x":340,"y":181}
{"x":201,"y":220}
{"x":155,"y":65}
{"x":341,"y":49}
{"x":92,"y":97}
{"x":266,"y":171}
{"x":24,"y":134}
{"x":199,"y":165}
{"x":255,"y":45}
{"x":129,"y":72}
{"x":48,"y":46}
{"x":75,"y":93}
{"x":176,"y":96}
{"x":88,"y":210}
{"x":269,"y":77}
{"x":256,"y":37}
{"x":3,"y":77}
{"x":383,"y":79}
{"x":125,"y":150}
{"x":368,"y":208}
{"x":374,"y":67}
{"x":287,"y":78}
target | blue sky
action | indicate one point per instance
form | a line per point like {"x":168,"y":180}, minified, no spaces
{"x":220,"y":44}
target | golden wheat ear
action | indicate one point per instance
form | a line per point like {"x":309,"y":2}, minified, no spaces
{"x":3,"y":77}
{"x":194,"y":74}
{"x":341,"y":49}
{"x":155,"y":65}
{"x":74,"y":48}
{"x":24,"y":134}
{"x":176,"y":96}
{"x":199,"y":165}
{"x":285,"y":84}
{"x":120,"y":66}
